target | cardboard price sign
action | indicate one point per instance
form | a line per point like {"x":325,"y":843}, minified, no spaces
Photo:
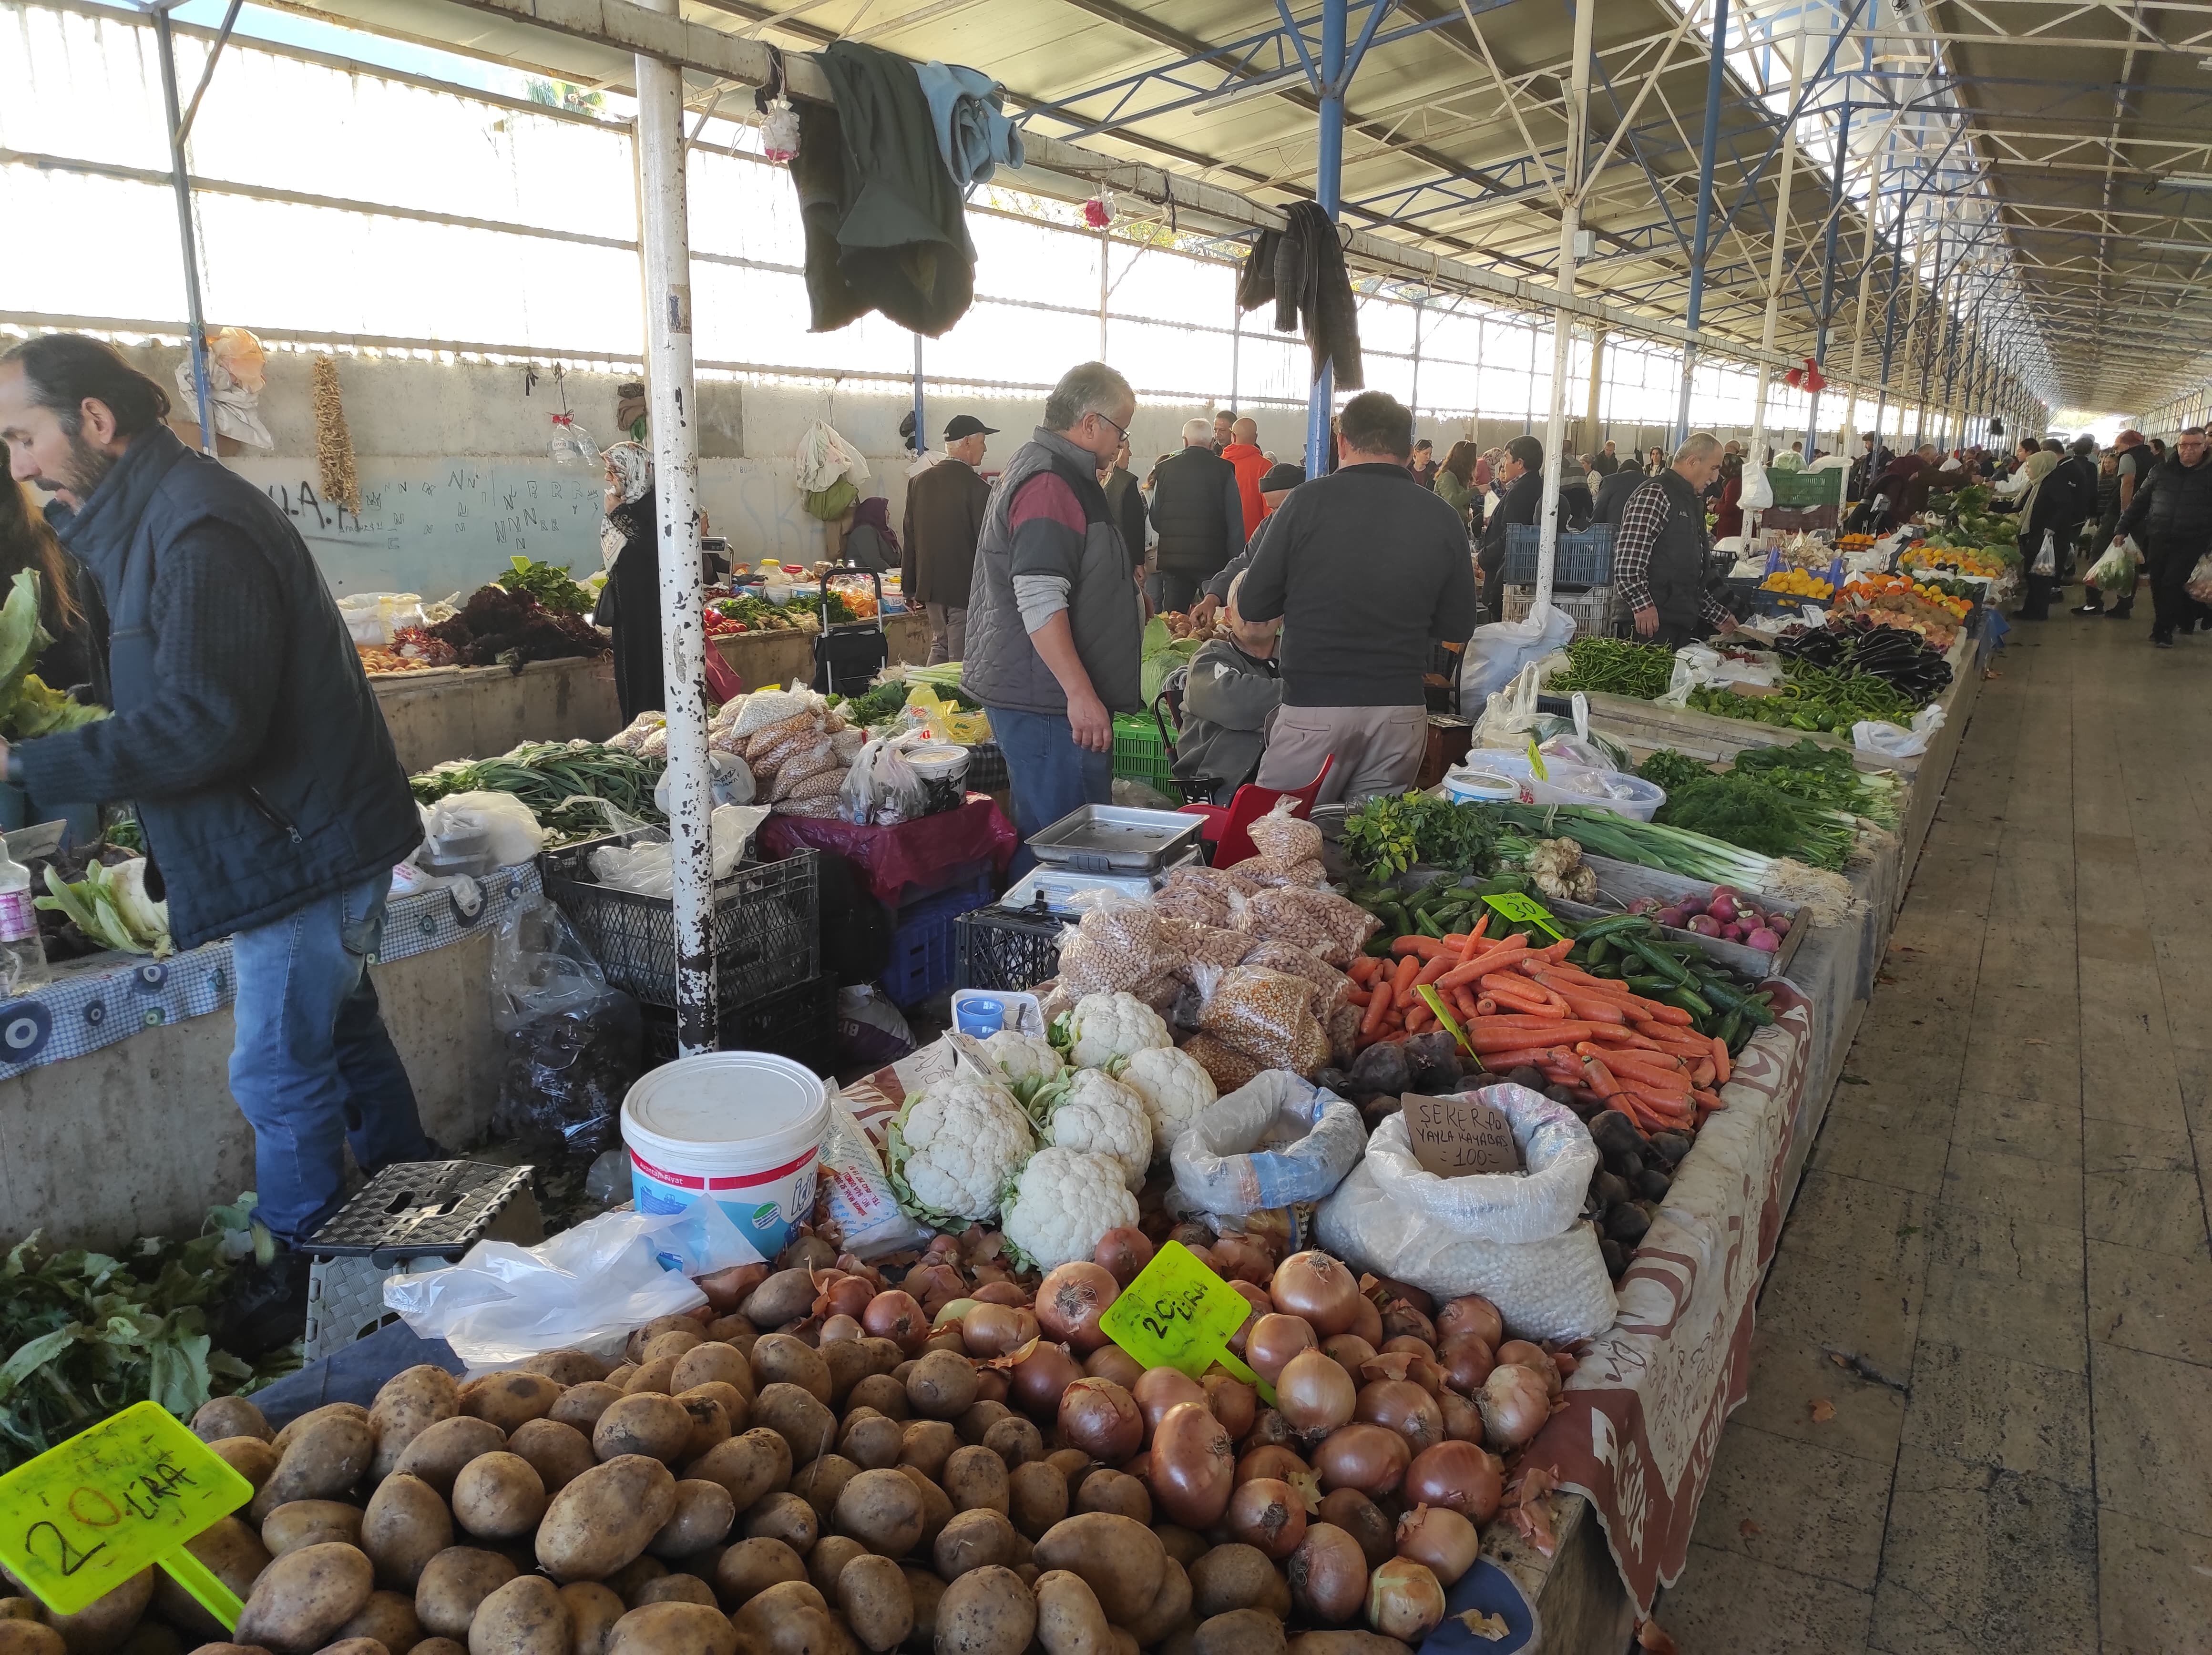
{"x":1460,"y":1136}
{"x":81,"y":1518}
{"x":1179,"y":1314}
{"x":1523,"y":910}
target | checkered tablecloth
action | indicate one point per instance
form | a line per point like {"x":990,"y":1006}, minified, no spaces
{"x":104,"y":998}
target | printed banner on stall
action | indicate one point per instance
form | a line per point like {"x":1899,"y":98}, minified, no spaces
{"x":1644,"y":1408}
{"x":105,"y":998}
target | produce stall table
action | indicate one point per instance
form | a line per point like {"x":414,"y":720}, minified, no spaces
{"x":455,"y":712}
{"x":116,"y":1116}
{"x":763,"y":659}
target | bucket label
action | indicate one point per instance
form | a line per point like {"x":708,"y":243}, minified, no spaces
{"x":768,"y":1224}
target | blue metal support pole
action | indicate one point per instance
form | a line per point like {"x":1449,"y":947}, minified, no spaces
{"x":1828,"y":276}
{"x":1329,"y":180}
{"x":920,"y":413}
{"x":1716,"y":84}
{"x":181,"y":184}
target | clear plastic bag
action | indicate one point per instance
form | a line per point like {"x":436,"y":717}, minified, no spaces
{"x":1267,"y":1014}
{"x":1317,"y":920}
{"x":2046,"y":556}
{"x":1118,"y":945}
{"x":731,"y":783}
{"x":1275,"y":1140}
{"x":1498,"y":652}
{"x":2116,"y":571}
{"x":2200,"y":580}
{"x":572,"y":1043}
{"x":881,"y":788}
{"x":504,"y":820}
{"x":645,"y":867}
{"x":1284,"y":838}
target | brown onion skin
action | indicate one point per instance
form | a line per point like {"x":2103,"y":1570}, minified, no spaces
{"x":1328,"y":1574}
{"x":1274,"y":1340}
{"x":1402,"y":1320}
{"x":726,"y":1289}
{"x":1405,"y":1600}
{"x":1348,"y":1351}
{"x":947,"y":1337}
{"x":1408,"y":1344}
{"x":1112,"y":1362}
{"x":1102,"y":1419}
{"x":1460,"y":1477}
{"x":1440,"y":1537}
{"x":1269,"y":1429}
{"x":996,"y":1330}
{"x":1001,"y":1293}
{"x":1270,"y":1462}
{"x":1466,"y":1363}
{"x":1070,"y":1299}
{"x":836,"y":1293}
{"x":1122,"y":1253}
{"x":1472,"y":1315}
{"x":1037,"y":1382}
{"x":1266,"y":1512}
{"x":1402,"y":1406}
{"x":1255,"y":1296}
{"x":1242,"y":1261}
{"x":1363,"y":1520}
{"x":1193,"y":1466}
{"x":1161,"y":1389}
{"x":1234,"y":1403}
{"x":1534,"y":1357}
{"x":1462,"y":1418}
{"x":1315,"y":1394}
{"x":896,"y":1315}
{"x":992,"y":1386}
{"x":1372,"y":1458}
{"x":1191,"y":1234}
{"x":837,"y":1328}
{"x":1319,"y":1288}
{"x":1367,"y":1321}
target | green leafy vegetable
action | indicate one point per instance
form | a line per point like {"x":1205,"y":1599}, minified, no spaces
{"x":549,"y":583}
{"x":28,"y":706}
{"x":562,"y":782}
{"x":110,"y":905}
{"x":1743,"y":811}
{"x":1386,"y":835}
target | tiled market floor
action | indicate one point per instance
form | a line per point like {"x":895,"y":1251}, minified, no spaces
{"x":2002,"y":1229}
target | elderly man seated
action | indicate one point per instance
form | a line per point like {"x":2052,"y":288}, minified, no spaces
{"x":1231,"y":694}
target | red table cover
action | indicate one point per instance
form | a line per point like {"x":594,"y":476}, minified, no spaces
{"x":911,"y":859}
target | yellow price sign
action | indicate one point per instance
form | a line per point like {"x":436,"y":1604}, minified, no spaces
{"x":1179,"y":1314}
{"x":81,"y":1518}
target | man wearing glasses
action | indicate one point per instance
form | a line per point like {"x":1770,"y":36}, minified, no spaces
{"x":1055,"y":620}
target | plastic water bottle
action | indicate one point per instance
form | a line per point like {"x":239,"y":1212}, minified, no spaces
{"x":22,"y":954}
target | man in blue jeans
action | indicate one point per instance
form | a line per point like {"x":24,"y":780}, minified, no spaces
{"x":273,"y":803}
{"x":1055,"y":622}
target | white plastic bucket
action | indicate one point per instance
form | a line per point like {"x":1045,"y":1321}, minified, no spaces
{"x":1480,"y":784}
{"x":743,"y":1127}
{"x":943,"y":767}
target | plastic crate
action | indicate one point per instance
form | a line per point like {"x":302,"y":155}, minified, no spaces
{"x":1593,"y":610}
{"x":800,"y":1022}
{"x":421,"y":1215}
{"x":1140,"y":754}
{"x":996,"y":947}
{"x":767,"y":927}
{"x":921,"y":962}
{"x":1583,"y":556}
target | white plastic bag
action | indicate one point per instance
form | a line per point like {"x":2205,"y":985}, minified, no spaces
{"x":854,"y":1199}
{"x":824,"y":457}
{"x":2116,"y":571}
{"x":583,"y":1289}
{"x":508,"y":823}
{"x":1499,"y":651}
{"x":1519,"y":1241}
{"x":1758,"y":489}
{"x":1275,"y":1141}
{"x":1890,"y":741}
{"x":882,"y":788}
{"x":2046,"y":556}
{"x":732,"y":782}
{"x":646,"y":869}
{"x":371,"y":618}
{"x":2200,"y":580}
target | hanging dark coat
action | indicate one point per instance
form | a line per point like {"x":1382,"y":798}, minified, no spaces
{"x":629,"y":604}
{"x":1302,"y":269}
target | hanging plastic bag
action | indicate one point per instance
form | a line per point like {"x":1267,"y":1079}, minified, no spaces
{"x":1499,"y":651}
{"x":2046,"y":556}
{"x":2200,"y":580}
{"x":571,"y":1042}
{"x":1758,"y":489}
{"x":825,"y":457}
{"x":730,"y":782}
{"x":2116,"y":571}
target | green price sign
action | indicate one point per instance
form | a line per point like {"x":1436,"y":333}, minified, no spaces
{"x":81,"y":1518}
{"x":1179,"y":1314}
{"x":1523,"y":910}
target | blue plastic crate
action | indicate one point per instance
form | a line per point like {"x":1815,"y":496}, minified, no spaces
{"x":1584,"y":555}
{"x":925,"y":944}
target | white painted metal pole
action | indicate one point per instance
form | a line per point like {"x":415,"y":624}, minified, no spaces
{"x":1846,"y":442}
{"x":1563,"y":333}
{"x":1758,"y":455}
{"x":672,"y":400}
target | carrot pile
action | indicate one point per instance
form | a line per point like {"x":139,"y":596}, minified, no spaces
{"x":1521,"y":1006}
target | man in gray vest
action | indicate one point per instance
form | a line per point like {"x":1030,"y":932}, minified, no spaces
{"x":273,"y":803}
{"x":1198,"y":512}
{"x":1055,"y":623}
{"x":1659,"y":557}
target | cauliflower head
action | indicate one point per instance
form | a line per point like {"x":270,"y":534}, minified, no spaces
{"x":1026,"y":1061}
{"x":1089,"y":1111}
{"x":952,"y":1150}
{"x":1063,"y":1205}
{"x":1174,"y":1087}
{"x":1105,"y":1026}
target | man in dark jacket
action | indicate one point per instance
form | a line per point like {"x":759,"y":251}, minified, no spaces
{"x":2172,"y":521}
{"x":1605,"y":462}
{"x":1660,"y":555}
{"x":1125,"y":502}
{"x":1524,"y":476}
{"x":1198,"y":512}
{"x":1368,"y":571}
{"x":944,"y":514}
{"x":1613,"y":493}
{"x":273,"y":803}
{"x":1055,"y":623}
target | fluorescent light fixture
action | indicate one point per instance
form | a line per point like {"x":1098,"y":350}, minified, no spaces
{"x":2183,"y":180}
{"x":2201,"y":248}
{"x":1283,"y":80}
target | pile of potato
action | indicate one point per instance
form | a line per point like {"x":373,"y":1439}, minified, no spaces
{"x":868,"y":1476}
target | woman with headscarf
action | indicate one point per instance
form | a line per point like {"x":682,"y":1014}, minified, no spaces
{"x":629,"y":603}
{"x":2042,"y":511}
{"x":1454,"y":482}
{"x":869,"y":541}
{"x":69,"y":606}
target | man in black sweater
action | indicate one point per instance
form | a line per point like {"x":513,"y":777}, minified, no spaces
{"x":1368,"y":571}
{"x":1199,"y":512}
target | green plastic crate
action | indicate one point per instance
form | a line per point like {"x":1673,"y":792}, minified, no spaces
{"x":1140,"y":753}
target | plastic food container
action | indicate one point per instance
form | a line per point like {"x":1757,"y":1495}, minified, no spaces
{"x":1573,"y":783}
{"x":744,"y":1128}
{"x":943,"y":767}
{"x":980,"y":1017}
{"x":1480,"y":784}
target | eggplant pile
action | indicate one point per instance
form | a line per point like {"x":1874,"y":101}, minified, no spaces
{"x":1855,"y":645}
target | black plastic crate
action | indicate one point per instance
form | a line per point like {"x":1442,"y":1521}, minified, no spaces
{"x":767,"y":927}
{"x":997,"y":947}
{"x":1584,"y":555}
{"x":800,"y":1022}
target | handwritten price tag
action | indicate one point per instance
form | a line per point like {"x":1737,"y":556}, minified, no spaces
{"x":1523,"y":910}
{"x":79,"y":1520}
{"x":1179,"y":1314}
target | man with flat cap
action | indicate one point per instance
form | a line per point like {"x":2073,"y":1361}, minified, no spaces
{"x":945,"y":507}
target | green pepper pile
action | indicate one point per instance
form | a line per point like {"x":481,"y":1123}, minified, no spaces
{"x":1614,"y":666}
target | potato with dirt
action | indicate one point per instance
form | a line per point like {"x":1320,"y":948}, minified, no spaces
{"x":749,"y":1568}
{"x":409,"y":1404}
{"x":229,"y":1417}
{"x":453,"y":1583}
{"x":1069,"y":1621}
{"x":987,"y":1611}
{"x":702,"y":1517}
{"x":525,"y":1616}
{"x":404,"y":1526}
{"x":878,"y":1607}
{"x":323,"y":1462}
{"x":644,"y":1422}
{"x":673,"y":1629}
{"x":558,"y":1454}
{"x":388,"y":1618}
{"x":800,"y":1417}
{"x":593,"y":1611}
{"x":508,"y":1400}
{"x":311,"y":1522}
{"x":976,"y":1479}
{"x":1119,"y":1558}
{"x":439,"y":1454}
{"x":605,"y":1518}
{"x":303,"y":1596}
{"x":752,"y":1464}
{"x":233,"y":1552}
{"x":249,"y":1456}
{"x":499,"y":1496}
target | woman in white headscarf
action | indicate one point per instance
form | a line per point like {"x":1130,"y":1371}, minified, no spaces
{"x":629,"y":604}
